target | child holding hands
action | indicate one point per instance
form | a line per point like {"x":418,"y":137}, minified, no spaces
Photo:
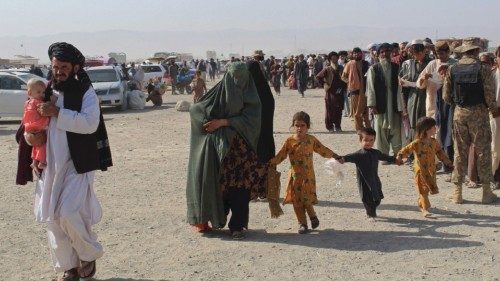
{"x":301,"y":190}
{"x":366,"y":160}
{"x":425,"y":149}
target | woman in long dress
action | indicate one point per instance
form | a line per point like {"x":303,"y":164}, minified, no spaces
{"x":224,"y":172}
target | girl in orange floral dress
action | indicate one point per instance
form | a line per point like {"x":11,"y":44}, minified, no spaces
{"x":301,"y":190}
{"x":425,"y":148}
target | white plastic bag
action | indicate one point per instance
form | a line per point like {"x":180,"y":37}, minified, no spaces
{"x":335,"y":168}
{"x":136,"y":99}
{"x":183,"y":105}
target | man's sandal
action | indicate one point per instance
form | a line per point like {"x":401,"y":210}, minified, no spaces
{"x":69,"y":275}
{"x":83,"y":270}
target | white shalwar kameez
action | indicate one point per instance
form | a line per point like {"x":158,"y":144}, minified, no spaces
{"x":432,"y":85}
{"x":64,"y":199}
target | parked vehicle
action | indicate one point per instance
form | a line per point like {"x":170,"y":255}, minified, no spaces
{"x":152,"y":71}
{"x":14,"y":92}
{"x":15,"y":70}
{"x":25,"y":76}
{"x":110,"y":85}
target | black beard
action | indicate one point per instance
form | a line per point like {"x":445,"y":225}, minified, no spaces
{"x":68,"y":85}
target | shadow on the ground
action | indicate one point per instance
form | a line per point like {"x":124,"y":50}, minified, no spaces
{"x":318,"y":133}
{"x":314,"y":97}
{"x":113,"y":111}
{"x":126,"y":279}
{"x":422,"y":233}
{"x":407,"y":208}
{"x":7,"y":132}
{"x":429,"y":227}
{"x":350,"y":240}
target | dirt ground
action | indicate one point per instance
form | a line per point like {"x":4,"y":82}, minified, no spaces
{"x":146,"y":237}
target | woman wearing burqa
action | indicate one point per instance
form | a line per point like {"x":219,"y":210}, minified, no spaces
{"x":223,"y":171}
{"x":266,"y":148}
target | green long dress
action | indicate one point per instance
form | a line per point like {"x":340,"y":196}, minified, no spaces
{"x":234,"y":98}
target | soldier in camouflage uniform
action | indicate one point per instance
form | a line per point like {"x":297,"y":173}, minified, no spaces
{"x":469,"y":86}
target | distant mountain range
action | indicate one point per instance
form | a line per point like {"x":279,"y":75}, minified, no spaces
{"x":140,"y":44}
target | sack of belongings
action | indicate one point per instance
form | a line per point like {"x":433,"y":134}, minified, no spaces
{"x":136,"y":99}
{"x":182,"y":105}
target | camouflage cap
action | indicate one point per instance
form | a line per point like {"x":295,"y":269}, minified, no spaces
{"x":488,"y":54}
{"x":467,"y":45}
{"x":442,"y":46}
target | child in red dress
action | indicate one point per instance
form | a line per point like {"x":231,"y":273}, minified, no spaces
{"x":34,"y":122}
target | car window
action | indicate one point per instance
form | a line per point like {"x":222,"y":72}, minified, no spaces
{"x":102,"y":75}
{"x":150,"y":68}
{"x":10,"y":83}
{"x":28,"y":76}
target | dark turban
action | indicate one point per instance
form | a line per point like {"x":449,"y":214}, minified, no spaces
{"x":357,"y":50}
{"x":66,"y":52}
{"x":384,"y":46}
{"x":331,"y":54}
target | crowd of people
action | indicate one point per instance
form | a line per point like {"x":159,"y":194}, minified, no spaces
{"x":409,"y":102}
{"x":417,"y":100}
{"x":414,"y":74}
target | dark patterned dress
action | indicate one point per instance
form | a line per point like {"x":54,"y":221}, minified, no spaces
{"x":241,"y":169}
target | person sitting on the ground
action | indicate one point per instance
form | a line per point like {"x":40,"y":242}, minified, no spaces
{"x":158,"y":89}
{"x":150,"y":87}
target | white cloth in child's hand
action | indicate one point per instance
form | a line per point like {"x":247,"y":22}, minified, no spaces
{"x":335,"y":168}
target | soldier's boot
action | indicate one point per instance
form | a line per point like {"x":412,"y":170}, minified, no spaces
{"x":488,"y":195}
{"x":456,"y":197}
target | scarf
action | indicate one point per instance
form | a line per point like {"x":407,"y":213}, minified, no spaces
{"x":266,"y":148}
{"x":89,"y":152}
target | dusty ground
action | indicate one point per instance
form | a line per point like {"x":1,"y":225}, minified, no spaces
{"x":145,"y":235}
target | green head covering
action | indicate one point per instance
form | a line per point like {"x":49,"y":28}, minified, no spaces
{"x":234,"y":98}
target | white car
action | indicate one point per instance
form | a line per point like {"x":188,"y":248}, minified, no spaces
{"x":110,"y":85}
{"x":14,"y":92}
{"x":152,"y":71}
{"x":24,"y":70}
{"x":25,"y":76}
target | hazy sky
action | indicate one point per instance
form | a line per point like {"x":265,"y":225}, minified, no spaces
{"x":235,"y":26}
{"x":42,"y":17}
